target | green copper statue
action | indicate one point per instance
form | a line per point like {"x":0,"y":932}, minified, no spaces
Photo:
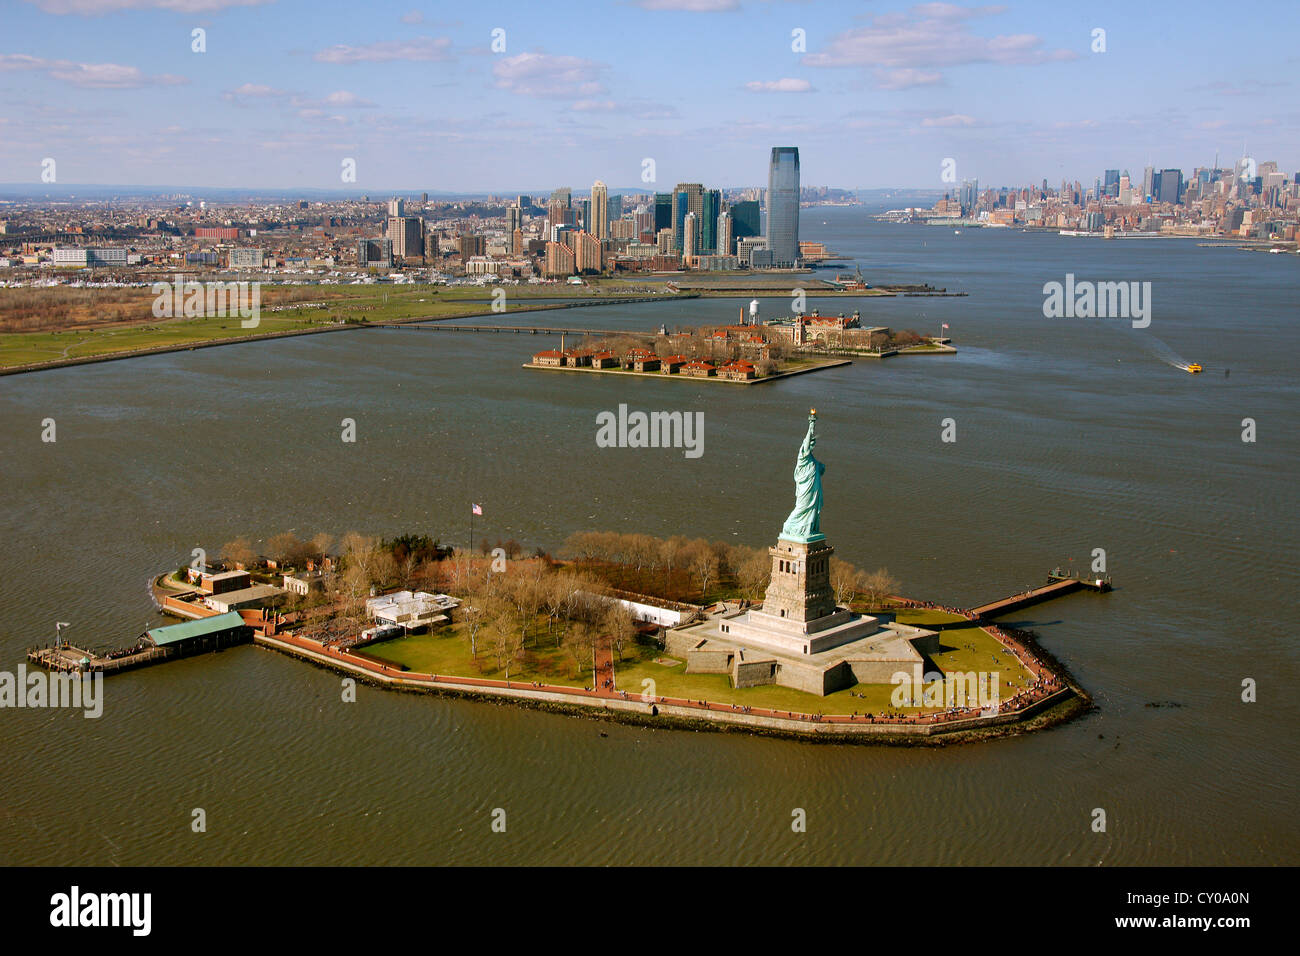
{"x":804,"y":523}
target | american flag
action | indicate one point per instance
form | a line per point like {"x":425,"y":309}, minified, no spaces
{"x":945,"y":325}
{"x":478,"y":509}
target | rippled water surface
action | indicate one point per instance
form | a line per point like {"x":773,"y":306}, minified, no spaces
{"x":1071,"y":435}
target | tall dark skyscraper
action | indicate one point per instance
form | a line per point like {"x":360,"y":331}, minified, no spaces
{"x":712,"y":207}
{"x":746,"y":219}
{"x":1171,"y":185}
{"x":783,"y":205}
{"x":1112,"y":183}
{"x":663,"y":211}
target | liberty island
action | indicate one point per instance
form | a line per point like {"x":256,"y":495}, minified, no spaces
{"x":800,"y":663}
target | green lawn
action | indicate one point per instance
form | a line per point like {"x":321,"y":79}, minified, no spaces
{"x":446,"y":651}
{"x":342,"y":304}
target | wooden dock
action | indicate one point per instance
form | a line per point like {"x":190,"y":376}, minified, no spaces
{"x":69,"y":659}
{"x":1056,"y":586}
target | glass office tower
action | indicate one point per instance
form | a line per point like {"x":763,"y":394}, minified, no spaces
{"x":783,"y":206}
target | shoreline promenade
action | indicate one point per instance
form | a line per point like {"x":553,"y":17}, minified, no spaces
{"x":1012,"y":717}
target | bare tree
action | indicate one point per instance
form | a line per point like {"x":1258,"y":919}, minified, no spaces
{"x":754,"y":572}
{"x":581,"y":641}
{"x":704,"y":566}
{"x":879,"y":586}
{"x":844,"y":580}
{"x":321,"y":545}
{"x":355,"y":584}
{"x":619,"y":625}
{"x":239,"y":551}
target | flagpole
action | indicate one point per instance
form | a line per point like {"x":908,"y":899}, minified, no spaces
{"x":471,"y":529}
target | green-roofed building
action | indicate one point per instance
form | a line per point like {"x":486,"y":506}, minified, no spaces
{"x":204,"y":634}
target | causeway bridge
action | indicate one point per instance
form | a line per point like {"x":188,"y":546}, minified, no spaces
{"x":518,"y":329}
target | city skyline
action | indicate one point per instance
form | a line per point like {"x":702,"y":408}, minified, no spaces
{"x":878,"y":98}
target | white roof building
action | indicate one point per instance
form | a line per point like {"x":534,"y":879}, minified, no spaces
{"x":411,"y":609}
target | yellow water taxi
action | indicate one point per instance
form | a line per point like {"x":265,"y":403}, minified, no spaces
{"x":1195,"y":368}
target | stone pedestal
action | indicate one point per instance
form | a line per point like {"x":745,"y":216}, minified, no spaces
{"x":800,"y":588}
{"x":799,"y":615}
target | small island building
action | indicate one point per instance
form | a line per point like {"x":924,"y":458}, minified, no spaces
{"x":204,"y":634}
{"x":698,"y":369}
{"x":411,"y":610}
{"x":641,"y":360}
{"x":578,"y":358}
{"x":553,"y":358}
{"x":257,"y":596}
{"x":738,"y":371}
{"x":604,"y":360}
{"x":672,"y":364}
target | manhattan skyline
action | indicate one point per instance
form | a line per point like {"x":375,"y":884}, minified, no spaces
{"x":879,"y":97}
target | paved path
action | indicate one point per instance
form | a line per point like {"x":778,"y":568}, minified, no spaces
{"x":588,"y":696}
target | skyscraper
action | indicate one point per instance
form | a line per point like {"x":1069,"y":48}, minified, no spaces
{"x":746,"y":219}
{"x":690,"y":235}
{"x":1171,"y":185}
{"x":710,"y":206}
{"x":599,"y":224}
{"x":1112,"y":183}
{"x":969,"y":192}
{"x":726,"y":243}
{"x":1148,"y":180}
{"x":783,"y":205}
{"x":663,"y":211}
{"x":687,"y":197}
{"x":396,"y":208}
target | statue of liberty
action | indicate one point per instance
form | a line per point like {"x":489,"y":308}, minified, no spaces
{"x":804,"y":523}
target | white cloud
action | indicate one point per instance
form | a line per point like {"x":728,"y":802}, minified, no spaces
{"x":926,"y":37}
{"x":251,"y":91}
{"x":951,"y":121}
{"x":638,"y":109}
{"x":907,"y":78}
{"x":412,"y":17}
{"x":95,"y":76}
{"x":541,"y":74}
{"x":784,"y":85}
{"x":419,"y":49}
{"x":342,"y":99}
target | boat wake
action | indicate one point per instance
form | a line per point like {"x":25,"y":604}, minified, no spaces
{"x":1156,"y":348}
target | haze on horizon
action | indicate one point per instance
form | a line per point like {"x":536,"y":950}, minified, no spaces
{"x":286,"y":91}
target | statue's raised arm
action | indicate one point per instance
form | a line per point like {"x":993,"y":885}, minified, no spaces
{"x":804,"y":523}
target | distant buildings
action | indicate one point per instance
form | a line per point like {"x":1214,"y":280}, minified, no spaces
{"x":87,"y":257}
{"x":375,"y":252}
{"x":560,"y":260}
{"x":407,"y":235}
{"x":687,"y":198}
{"x":246,"y":258}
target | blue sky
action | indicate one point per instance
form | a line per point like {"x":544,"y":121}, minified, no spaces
{"x":413,"y":92}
